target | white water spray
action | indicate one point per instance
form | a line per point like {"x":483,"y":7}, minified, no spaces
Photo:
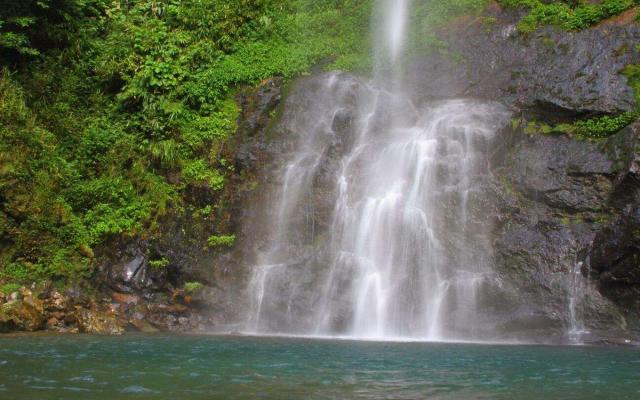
{"x":391,"y":34}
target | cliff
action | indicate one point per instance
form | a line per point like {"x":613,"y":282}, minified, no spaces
{"x":562,"y":194}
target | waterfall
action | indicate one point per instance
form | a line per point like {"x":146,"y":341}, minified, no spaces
{"x":390,"y":31}
{"x":404,"y":252}
{"x":576,"y":287}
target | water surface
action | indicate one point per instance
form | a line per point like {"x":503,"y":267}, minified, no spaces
{"x":209,"y":367}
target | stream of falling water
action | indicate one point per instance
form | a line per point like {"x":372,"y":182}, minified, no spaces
{"x":576,"y":286}
{"x":403,"y":256}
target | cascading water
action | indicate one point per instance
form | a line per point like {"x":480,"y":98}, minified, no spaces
{"x":402,"y":197}
{"x":576,"y":286}
{"x":404,"y":255}
{"x":391,"y":37}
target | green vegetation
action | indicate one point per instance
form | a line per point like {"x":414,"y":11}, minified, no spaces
{"x":111,"y":110}
{"x":221,"y":241}
{"x":598,"y":128}
{"x":431,"y":15}
{"x":159,"y":263}
{"x":570,"y":15}
{"x":535,"y":127}
{"x":192,"y":287}
{"x":9,"y":288}
{"x":632,"y":72}
{"x":583,"y":129}
{"x":607,"y":125}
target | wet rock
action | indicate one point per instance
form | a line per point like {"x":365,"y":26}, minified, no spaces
{"x":257,"y":107}
{"x":615,"y":259}
{"x":144,"y":326}
{"x":126,"y":269}
{"x":566,"y":72}
{"x":565,"y":174}
{"x":97,"y":322}
{"x":615,"y":254}
{"x":620,"y":342}
{"x":123,"y":298}
{"x":624,"y":148}
{"x":76,"y":295}
{"x":537,"y":257}
{"x":53,"y":323}
{"x":126,"y":272}
{"x":57,"y":301}
{"x":177,"y":309}
{"x":25,"y":315}
{"x":555,"y":194}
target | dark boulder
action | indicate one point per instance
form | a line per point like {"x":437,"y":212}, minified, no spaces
{"x":125,"y":268}
{"x":615,"y":255}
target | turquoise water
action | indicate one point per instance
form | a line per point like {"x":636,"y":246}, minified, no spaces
{"x":207,"y":367}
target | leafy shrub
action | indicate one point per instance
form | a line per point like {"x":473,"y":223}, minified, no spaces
{"x":192,"y":287}
{"x":586,"y":129}
{"x":221,"y":241}
{"x":159,"y":263}
{"x":598,"y":128}
{"x":568,"y":15}
{"x":103,"y":104}
{"x":10,"y":288}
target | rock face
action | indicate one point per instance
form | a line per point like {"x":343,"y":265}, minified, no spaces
{"x":564,"y":206}
{"x":614,"y":257}
{"x":548,"y":70}
{"x":93,"y":321}
{"x":23,"y":312}
{"x":553,"y":195}
{"x":127,"y":269}
{"x":561,"y":173}
{"x":559,"y":191}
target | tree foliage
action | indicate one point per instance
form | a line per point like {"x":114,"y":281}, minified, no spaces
{"x":111,"y":110}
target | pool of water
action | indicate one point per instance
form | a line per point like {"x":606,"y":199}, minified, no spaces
{"x":210,"y":367}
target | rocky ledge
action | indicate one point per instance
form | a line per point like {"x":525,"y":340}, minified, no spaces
{"x":73,"y":310}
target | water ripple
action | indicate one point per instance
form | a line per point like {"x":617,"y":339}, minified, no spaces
{"x":267,"y":368}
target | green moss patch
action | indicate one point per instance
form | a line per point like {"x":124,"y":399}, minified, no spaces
{"x":567,"y":15}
